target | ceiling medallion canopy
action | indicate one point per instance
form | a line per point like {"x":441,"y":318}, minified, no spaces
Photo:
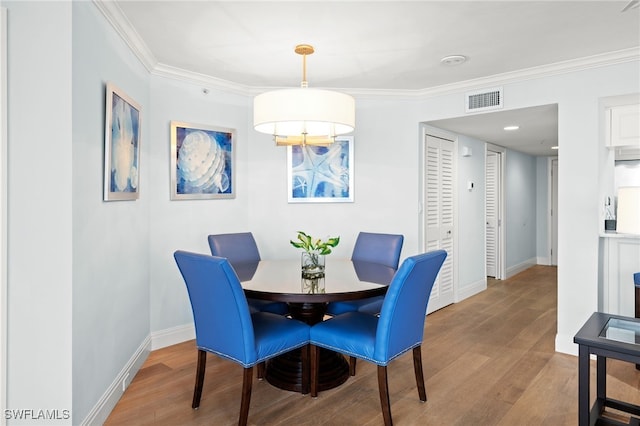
{"x":304,"y":116}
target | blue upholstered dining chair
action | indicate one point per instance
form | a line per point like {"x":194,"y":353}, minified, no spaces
{"x":225,"y":327}
{"x":382,"y":249}
{"x":398,"y":329}
{"x":241,"y":250}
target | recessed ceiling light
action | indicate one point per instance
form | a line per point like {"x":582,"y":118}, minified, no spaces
{"x":510,"y":128}
{"x":554,"y":147}
{"x":452,"y":60}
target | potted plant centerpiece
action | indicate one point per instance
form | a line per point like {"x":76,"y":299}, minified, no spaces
{"x":314,"y":252}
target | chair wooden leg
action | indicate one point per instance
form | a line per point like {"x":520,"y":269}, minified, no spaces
{"x":261,"y":368}
{"x":197,"y":391}
{"x":383,"y":385}
{"x":352,"y":366}
{"x":306,"y":374}
{"x":315,"y":360}
{"x":246,"y":396}
{"x":417,"y":367}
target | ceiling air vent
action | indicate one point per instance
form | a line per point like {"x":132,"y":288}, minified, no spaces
{"x":483,"y":100}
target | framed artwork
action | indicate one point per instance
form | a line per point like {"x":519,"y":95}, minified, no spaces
{"x":318,"y":174}
{"x":202,"y":162}
{"x":121,"y":146}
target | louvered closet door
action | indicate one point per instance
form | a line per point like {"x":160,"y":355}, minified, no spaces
{"x":492,"y":213}
{"x":439,"y":176}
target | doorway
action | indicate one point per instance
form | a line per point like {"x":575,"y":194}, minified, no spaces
{"x":438,"y":214}
{"x":553,"y":212}
{"x":494,"y":211}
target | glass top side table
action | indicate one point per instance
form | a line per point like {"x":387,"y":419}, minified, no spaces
{"x":606,"y":336}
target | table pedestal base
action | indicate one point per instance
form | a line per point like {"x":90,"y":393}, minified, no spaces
{"x":285,"y":371}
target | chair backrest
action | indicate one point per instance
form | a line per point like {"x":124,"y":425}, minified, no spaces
{"x":220,"y":310}
{"x":401,"y":322}
{"x":238,"y":248}
{"x":378,"y":248}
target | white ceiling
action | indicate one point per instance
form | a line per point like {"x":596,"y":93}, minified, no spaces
{"x":382,"y":48}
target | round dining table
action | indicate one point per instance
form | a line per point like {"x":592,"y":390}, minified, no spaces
{"x":307,"y":298}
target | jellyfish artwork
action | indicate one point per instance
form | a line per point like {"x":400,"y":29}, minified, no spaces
{"x":124,"y":171}
{"x":201,"y":165}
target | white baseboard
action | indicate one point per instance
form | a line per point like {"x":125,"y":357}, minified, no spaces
{"x":543,"y":261}
{"x":564,"y":344}
{"x":471,"y":290}
{"x":516,"y":269}
{"x":171,"y":336}
{"x":98,"y":415}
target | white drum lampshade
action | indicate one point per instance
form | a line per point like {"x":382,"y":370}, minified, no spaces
{"x":291,"y":113}
{"x":304,"y":116}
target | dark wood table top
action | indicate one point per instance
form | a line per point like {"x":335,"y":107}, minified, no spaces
{"x":281,"y":280}
{"x":611,"y":332}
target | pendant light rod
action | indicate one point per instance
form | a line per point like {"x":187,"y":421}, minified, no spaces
{"x":304,"y":50}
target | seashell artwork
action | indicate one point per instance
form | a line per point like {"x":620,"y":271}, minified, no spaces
{"x":203,"y":162}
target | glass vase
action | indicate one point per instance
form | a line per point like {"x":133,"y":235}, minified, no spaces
{"x":312,"y":265}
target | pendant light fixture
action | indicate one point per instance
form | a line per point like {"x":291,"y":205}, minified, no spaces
{"x":304,"y":116}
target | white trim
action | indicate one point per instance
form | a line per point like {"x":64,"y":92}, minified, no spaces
{"x":565,"y":345}
{"x":501,"y":272}
{"x":516,"y":269}
{"x":471,"y":290}
{"x":3,"y":211}
{"x":427,"y":130}
{"x":543,"y":260}
{"x":123,"y":27}
{"x":549,"y":209}
{"x":172,"y":336}
{"x":99,"y":413}
{"x":163,"y":70}
{"x":127,"y":32}
{"x":564,"y":67}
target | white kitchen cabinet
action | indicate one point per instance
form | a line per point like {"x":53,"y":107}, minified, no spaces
{"x":620,"y":257}
{"x":623,"y":123}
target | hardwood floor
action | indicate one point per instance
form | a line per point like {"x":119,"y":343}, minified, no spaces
{"x":488,"y":360}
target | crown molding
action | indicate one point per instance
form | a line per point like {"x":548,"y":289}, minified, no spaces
{"x":564,"y":67}
{"x":123,"y":27}
{"x":168,"y":71}
{"x":557,"y":68}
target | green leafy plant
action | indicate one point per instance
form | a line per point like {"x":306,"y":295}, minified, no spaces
{"x":307,"y":243}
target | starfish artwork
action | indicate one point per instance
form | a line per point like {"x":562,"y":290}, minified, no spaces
{"x":321,"y":172}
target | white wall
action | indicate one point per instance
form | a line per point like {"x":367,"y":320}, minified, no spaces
{"x":185,"y":224}
{"x":39,"y":207}
{"x":386,"y":144}
{"x":578,"y":97}
{"x":471,"y":264}
{"x":111,"y":302}
{"x":520,"y":211}
{"x":542,"y":210}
